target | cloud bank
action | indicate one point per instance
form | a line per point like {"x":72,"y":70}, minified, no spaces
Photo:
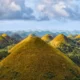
{"x":40,"y":9}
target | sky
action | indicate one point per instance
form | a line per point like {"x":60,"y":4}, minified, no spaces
{"x":39,"y":15}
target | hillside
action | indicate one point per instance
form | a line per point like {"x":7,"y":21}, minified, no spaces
{"x":33,"y":59}
{"x":47,"y":38}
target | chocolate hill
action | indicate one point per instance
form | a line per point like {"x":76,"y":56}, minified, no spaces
{"x":63,"y":43}
{"x":8,"y":38}
{"x":34,"y":59}
{"x":47,"y":38}
{"x":56,"y":42}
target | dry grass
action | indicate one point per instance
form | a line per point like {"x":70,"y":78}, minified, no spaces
{"x":33,"y":59}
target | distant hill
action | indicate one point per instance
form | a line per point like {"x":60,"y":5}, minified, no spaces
{"x":58,"y":40}
{"x":77,"y":37}
{"x":47,"y":38}
{"x":3,"y":42}
{"x":34,"y":59}
{"x":16,"y":37}
{"x":63,"y":43}
{"x":71,"y":36}
{"x":8,"y":38}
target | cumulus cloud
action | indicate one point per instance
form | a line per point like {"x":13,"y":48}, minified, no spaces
{"x":40,"y":9}
{"x":15,"y":9}
{"x":59,"y":9}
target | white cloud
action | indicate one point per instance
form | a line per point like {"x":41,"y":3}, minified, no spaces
{"x":41,"y":7}
{"x":60,"y":9}
{"x":54,"y":9}
{"x":15,"y":7}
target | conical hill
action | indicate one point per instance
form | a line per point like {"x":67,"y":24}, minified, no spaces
{"x":34,"y":59}
{"x":47,"y":38}
{"x":58,"y":40}
{"x":7,"y":38}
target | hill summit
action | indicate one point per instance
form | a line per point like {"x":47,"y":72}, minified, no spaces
{"x":58,"y":40}
{"x":5,"y":36}
{"x":47,"y":38}
{"x":34,"y":59}
{"x":8,"y":39}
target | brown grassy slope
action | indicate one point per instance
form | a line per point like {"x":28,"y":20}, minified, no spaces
{"x":47,"y":38}
{"x":58,"y":40}
{"x":33,"y":59}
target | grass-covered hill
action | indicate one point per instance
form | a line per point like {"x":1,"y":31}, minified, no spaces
{"x":34,"y":59}
{"x":8,"y":38}
{"x":63,"y":43}
{"x":5,"y":41}
{"x":47,"y":38}
{"x":58,"y":40}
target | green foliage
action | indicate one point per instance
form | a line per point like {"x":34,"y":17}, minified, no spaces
{"x":65,"y":48}
{"x":3,"y":53}
{"x":75,"y":55}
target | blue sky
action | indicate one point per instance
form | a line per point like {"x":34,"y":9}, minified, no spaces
{"x":39,"y":15}
{"x":39,"y":25}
